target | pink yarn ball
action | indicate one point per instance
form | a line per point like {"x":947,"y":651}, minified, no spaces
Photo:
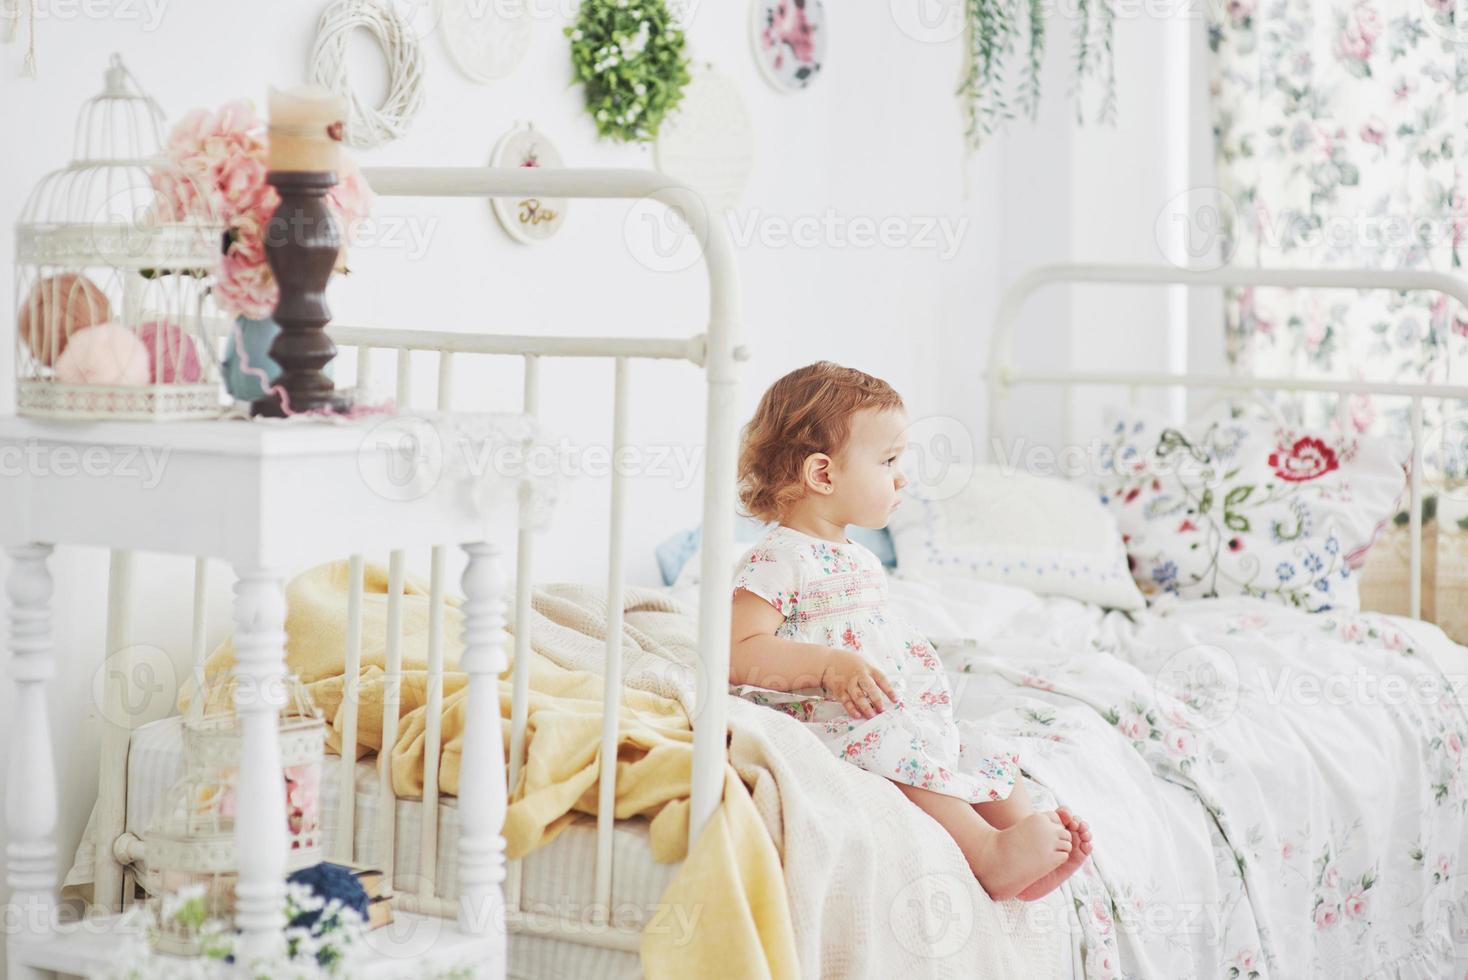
{"x":173,"y":357}
{"x":106,"y":354}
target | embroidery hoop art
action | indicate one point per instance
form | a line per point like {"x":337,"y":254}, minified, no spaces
{"x":521,"y":143}
{"x":369,"y":125}
{"x":783,"y":79}
{"x":708,"y":141}
{"x":484,"y":43}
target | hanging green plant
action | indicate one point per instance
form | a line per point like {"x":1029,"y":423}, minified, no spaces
{"x":629,"y":56}
{"x":995,"y":28}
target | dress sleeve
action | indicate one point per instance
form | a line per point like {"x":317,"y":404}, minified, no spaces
{"x":773,"y":574}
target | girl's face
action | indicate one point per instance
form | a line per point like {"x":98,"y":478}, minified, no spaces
{"x":867,"y":474}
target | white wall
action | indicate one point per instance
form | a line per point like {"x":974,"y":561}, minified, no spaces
{"x":878,"y":135}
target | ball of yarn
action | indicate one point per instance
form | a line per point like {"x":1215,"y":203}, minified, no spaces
{"x":105,"y":354}
{"x":57,"y":307}
{"x":173,"y":357}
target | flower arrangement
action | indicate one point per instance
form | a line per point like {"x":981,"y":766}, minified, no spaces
{"x":320,"y":935}
{"x":993,"y":29}
{"x":221,"y":156}
{"x":629,"y":56}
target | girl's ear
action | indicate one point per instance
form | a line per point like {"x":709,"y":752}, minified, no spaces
{"x":817,"y":473}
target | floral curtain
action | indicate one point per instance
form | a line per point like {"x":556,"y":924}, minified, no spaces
{"x":1338,"y":127}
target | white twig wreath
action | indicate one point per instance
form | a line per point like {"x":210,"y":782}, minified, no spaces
{"x":369,"y":125}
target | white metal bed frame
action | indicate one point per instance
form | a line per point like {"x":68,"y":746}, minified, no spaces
{"x":1003,"y":376}
{"x":715,"y":352}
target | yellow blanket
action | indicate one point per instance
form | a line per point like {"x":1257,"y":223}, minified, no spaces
{"x":731,"y":881}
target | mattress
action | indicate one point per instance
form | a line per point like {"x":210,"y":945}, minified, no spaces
{"x":556,"y":880}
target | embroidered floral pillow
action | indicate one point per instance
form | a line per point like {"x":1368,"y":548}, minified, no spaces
{"x":1233,"y":505}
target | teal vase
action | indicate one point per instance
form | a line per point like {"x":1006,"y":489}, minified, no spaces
{"x":256,"y":337}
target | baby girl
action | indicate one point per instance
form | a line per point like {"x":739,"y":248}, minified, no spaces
{"x":813,"y":634}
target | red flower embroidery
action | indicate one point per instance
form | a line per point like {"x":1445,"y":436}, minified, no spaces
{"x":1131,"y":495}
{"x":849,"y":638}
{"x":1308,"y":459}
{"x":1186,"y":526}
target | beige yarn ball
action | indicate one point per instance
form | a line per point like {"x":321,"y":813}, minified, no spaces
{"x":57,"y":307}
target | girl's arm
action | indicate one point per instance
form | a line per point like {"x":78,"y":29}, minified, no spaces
{"x":757,"y":656}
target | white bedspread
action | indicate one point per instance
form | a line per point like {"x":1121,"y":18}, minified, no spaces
{"x":1273,"y":793}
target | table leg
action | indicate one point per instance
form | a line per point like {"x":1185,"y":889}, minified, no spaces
{"x":30,"y":785}
{"x":260,"y":814}
{"x":482,"y":765}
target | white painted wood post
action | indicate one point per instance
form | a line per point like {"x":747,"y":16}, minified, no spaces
{"x":30,"y":784}
{"x":260,"y":820}
{"x":482,"y":794}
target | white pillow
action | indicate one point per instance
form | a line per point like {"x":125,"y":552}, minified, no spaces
{"x":1003,"y":525}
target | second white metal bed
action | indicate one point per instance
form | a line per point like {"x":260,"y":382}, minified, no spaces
{"x":1004,"y":375}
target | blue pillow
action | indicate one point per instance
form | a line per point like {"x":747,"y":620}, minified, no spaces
{"x":674,"y":552}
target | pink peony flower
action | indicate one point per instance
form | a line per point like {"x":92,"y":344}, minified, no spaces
{"x":1287,"y":851}
{"x":1102,"y":914}
{"x":1326,"y":915}
{"x":1179,"y":743}
{"x":1245,"y":960}
{"x":1374,"y":131}
{"x":1332,"y":878}
{"x":1358,"y":40}
{"x":219,"y":162}
{"x":1454,"y":743}
{"x":1355,"y":905}
{"x":1133,"y":726}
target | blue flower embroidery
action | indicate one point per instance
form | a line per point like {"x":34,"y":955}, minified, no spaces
{"x":1285,"y":571}
{"x":1165,"y":574}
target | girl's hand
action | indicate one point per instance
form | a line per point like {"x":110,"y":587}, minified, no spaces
{"x":859,"y":686}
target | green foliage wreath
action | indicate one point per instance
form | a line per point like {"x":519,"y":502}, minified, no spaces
{"x":629,"y":56}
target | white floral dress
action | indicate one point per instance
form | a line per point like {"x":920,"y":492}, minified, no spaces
{"x":836,"y":595}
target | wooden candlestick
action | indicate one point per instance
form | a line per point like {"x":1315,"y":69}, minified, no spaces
{"x":302,"y":242}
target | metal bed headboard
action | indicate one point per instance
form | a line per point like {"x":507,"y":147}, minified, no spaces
{"x":1003,"y":376}
{"x":714,"y":351}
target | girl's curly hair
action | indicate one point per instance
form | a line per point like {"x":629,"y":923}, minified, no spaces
{"x":807,"y":411}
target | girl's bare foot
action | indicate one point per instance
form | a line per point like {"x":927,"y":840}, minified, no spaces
{"x":1012,"y":858}
{"x":1080,"y":849}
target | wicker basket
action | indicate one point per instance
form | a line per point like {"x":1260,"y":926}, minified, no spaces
{"x":1386,"y":576}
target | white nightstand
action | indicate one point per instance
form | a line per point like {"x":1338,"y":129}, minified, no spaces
{"x":266,"y":497}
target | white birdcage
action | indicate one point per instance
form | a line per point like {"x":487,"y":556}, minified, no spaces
{"x":114,"y":256}
{"x":190,"y":842}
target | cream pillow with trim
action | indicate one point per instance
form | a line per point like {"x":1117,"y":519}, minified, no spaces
{"x":1003,"y":525}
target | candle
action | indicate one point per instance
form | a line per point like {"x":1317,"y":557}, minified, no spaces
{"x":305,"y":128}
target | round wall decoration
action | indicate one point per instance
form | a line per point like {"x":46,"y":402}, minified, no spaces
{"x":485,"y":41}
{"x":790,"y":41}
{"x":708,"y":141}
{"x":369,"y":125}
{"x":528,"y":219}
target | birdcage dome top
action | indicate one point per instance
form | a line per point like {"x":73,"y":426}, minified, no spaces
{"x":119,"y":201}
